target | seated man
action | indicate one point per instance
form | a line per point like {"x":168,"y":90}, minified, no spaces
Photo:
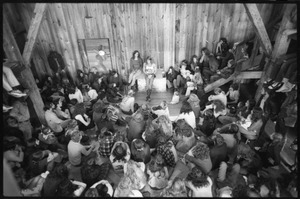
{"x":75,"y":149}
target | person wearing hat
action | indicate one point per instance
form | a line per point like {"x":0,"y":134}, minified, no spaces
{"x":140,"y":151}
{"x":158,"y":173}
{"x":127,"y":103}
{"x":119,"y":156}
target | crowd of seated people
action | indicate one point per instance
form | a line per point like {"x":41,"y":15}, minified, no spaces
{"x":123,"y":149}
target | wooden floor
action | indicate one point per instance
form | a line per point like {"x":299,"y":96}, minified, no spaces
{"x":157,"y":98}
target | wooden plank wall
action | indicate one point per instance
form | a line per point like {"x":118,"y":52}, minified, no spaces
{"x":167,"y":32}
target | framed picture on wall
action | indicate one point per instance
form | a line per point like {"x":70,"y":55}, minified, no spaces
{"x":98,"y":54}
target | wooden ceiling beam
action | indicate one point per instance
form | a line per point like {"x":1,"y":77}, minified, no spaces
{"x":259,"y":26}
{"x":33,"y":31}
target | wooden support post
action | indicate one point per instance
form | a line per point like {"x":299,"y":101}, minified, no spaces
{"x":259,"y":26}
{"x":34,"y":28}
{"x":27,"y":80}
{"x":281,"y":45}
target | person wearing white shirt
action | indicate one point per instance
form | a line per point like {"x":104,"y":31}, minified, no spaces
{"x":187,"y":113}
{"x":127,"y":104}
{"x":76,"y":94}
{"x":219,"y":95}
{"x":75,"y":149}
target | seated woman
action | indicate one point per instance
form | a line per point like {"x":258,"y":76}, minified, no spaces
{"x":158,"y":173}
{"x":161,"y":109}
{"x":58,"y":109}
{"x":231,"y":135}
{"x":84,"y":121}
{"x":250,"y":128}
{"x":222,"y":52}
{"x":171,"y":76}
{"x":233,"y":94}
{"x":56,"y":124}
{"x":184,"y":136}
{"x":175,"y":188}
{"x":164,"y":125}
{"x":193,"y":64}
{"x":181,"y":77}
{"x":169,"y":153}
{"x":137,"y":174}
{"x":225,"y":72}
{"x":103,"y":188}
{"x":206,"y":125}
{"x":209,"y":64}
{"x":187,"y":113}
{"x":126,"y":188}
{"x":194,"y":101}
{"x":136,"y":65}
{"x":199,"y":183}
{"x":82,"y":79}
{"x":199,"y":156}
{"x":127,"y":103}
{"x":75,"y":93}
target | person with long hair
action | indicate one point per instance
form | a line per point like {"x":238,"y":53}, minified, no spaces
{"x":193,"y":63}
{"x":187,"y":113}
{"x":256,"y":122}
{"x":171,"y":76}
{"x":199,"y":183}
{"x":127,"y":103}
{"x":233,"y":94}
{"x":199,"y":155}
{"x":209,"y":64}
{"x":84,"y":121}
{"x":231,"y":135}
{"x":136,"y":64}
{"x":176,"y":188}
{"x":149,"y":70}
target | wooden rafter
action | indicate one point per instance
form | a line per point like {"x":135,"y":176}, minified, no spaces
{"x":26,"y":78}
{"x":33,"y":31}
{"x":281,"y":44}
{"x":259,"y":26}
